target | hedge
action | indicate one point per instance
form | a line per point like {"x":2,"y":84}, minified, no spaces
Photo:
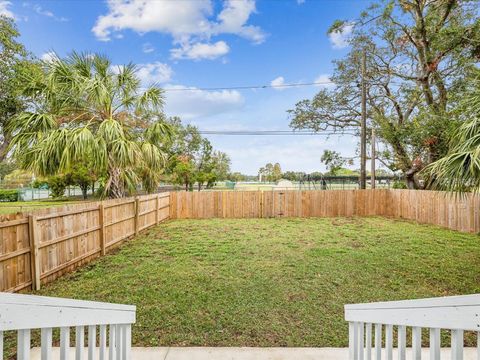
{"x":9,"y":195}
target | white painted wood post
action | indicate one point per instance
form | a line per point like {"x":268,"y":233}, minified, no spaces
{"x":457,"y":344}
{"x":64,"y":343}
{"x":478,"y":345}
{"x":417,"y":343}
{"x":23,"y":344}
{"x":368,"y":341}
{"x":46,"y":342}
{"x":389,"y":342}
{"x":128,"y":341}
{"x":118,"y":341}
{"x":352,"y":341}
{"x":1,"y":345}
{"x":434,"y":344}
{"x":92,"y":340}
{"x":79,"y":342}
{"x":402,"y":342}
{"x":103,"y":342}
{"x":378,"y":341}
{"x":361,"y":340}
{"x":111,"y":342}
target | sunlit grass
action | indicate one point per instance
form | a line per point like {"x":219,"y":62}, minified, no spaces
{"x":271,"y":282}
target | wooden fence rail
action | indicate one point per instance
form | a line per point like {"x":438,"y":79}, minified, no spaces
{"x":429,"y":207}
{"x":40,"y":246}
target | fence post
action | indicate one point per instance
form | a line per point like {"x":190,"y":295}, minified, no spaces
{"x":262,"y":199}
{"x":137,"y":214}
{"x":157,"y":205}
{"x":101,"y":220}
{"x":34,"y":260}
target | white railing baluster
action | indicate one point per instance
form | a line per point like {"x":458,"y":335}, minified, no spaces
{"x":417,"y":343}
{"x":124,"y":342}
{"x":368,"y":341}
{"x":118,"y":342}
{"x":389,"y":342}
{"x":361,"y":340}
{"x":1,"y":345}
{"x":378,"y":341}
{"x":64,"y":343}
{"x":92,"y":341}
{"x":111,"y":342}
{"x":434,"y":344}
{"x":23,"y":344}
{"x":478,"y":345}
{"x":457,"y":344}
{"x":79,"y":342}
{"x":46,"y":341}
{"x":402,"y":342}
{"x":128,"y":341}
{"x":103,"y":342}
{"x":352,"y":346}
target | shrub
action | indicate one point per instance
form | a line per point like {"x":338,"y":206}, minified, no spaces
{"x":399,"y":184}
{"x":9,"y":195}
{"x":57,"y":185}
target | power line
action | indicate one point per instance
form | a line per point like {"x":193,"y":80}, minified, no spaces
{"x":249,"y":86}
{"x":272,"y":132}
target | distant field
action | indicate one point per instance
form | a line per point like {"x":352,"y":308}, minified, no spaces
{"x":22,"y":206}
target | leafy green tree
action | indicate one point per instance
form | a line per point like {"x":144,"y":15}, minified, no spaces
{"x":184,"y":173}
{"x":14,"y":65}
{"x":459,"y":170}
{"x":83,"y":177}
{"x":334,"y":161}
{"x":236,"y":177}
{"x":420,"y":55}
{"x":85,"y":108}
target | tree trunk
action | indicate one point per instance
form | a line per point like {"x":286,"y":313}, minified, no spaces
{"x":84,"y":191}
{"x":115,"y":186}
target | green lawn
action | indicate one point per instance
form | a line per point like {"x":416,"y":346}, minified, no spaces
{"x":271,"y":282}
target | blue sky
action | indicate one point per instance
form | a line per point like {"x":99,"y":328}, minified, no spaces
{"x":203,"y":43}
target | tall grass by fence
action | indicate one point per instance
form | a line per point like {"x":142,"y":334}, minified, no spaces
{"x":429,"y":207}
{"x":40,"y":246}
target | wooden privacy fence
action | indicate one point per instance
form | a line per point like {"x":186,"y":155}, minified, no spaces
{"x":38,"y":247}
{"x":429,"y":207}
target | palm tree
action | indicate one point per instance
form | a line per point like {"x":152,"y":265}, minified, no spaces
{"x":84,"y":110}
{"x":459,"y":170}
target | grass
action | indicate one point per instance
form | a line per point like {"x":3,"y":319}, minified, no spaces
{"x":21,"y":206}
{"x":271,"y":282}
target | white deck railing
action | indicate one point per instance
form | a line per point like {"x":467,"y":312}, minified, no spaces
{"x":456,"y":314}
{"x":26,"y":312}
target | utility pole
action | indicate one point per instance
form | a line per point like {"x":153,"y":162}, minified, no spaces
{"x":363,"y":131}
{"x":372,"y":160}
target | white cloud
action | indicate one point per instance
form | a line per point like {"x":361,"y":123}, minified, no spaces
{"x":300,"y":2}
{"x":324,"y":80}
{"x":189,"y":22}
{"x":41,"y":11}
{"x":147,"y":48}
{"x":340,"y":37}
{"x":197,"y":103}
{"x":278,"y":81}
{"x":49,"y":56}
{"x":4,"y":9}
{"x":233,"y":19}
{"x":156,"y":72}
{"x":200,"y":51}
